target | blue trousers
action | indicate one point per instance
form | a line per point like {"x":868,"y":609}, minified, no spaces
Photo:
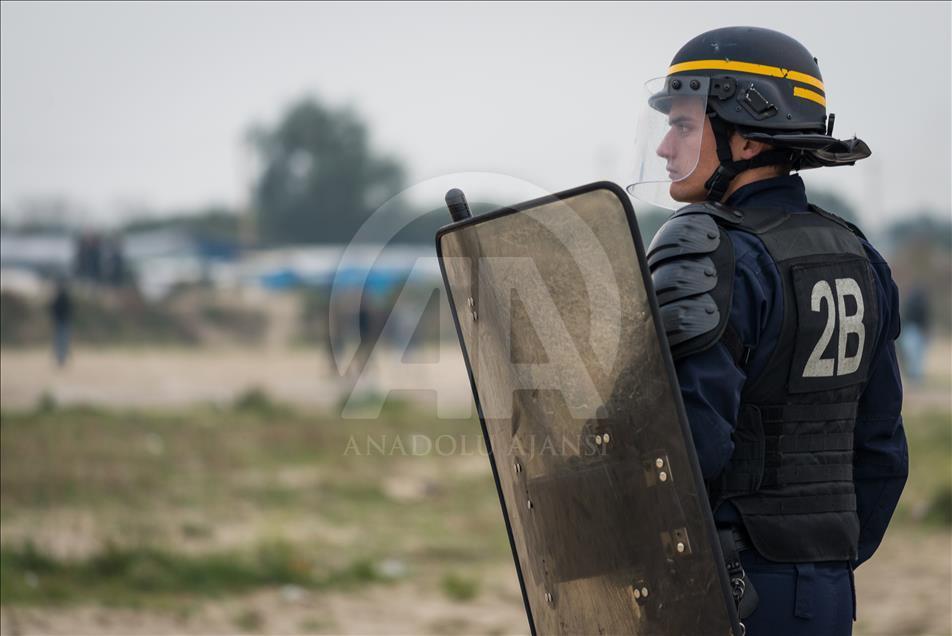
{"x":808,"y":599}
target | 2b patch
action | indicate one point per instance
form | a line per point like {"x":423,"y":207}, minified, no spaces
{"x":837,"y":318}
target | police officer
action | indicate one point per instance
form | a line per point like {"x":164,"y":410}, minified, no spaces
{"x":781,"y":318}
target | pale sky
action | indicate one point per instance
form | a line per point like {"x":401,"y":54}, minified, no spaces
{"x":118,"y":106}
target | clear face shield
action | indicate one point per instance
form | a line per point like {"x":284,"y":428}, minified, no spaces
{"x":668,"y":138}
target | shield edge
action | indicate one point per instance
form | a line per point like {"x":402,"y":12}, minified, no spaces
{"x":638,"y":244}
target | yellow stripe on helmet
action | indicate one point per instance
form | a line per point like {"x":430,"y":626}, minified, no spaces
{"x":806,"y":93}
{"x":746,"y":67}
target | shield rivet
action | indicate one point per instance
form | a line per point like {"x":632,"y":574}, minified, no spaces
{"x":663,"y":476}
{"x":637,"y":593}
{"x":659,"y":462}
{"x":605,"y":438}
{"x":680,"y":547}
{"x":529,"y":505}
{"x":644,"y":592}
{"x":598,"y":440}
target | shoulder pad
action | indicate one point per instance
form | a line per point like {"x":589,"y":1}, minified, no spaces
{"x":692,"y":270}
{"x":755,"y":221}
{"x":683,"y":236}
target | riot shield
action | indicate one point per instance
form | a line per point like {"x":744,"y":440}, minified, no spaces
{"x":575,"y":388}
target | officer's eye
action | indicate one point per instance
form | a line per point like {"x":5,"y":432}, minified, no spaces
{"x":682,"y":126}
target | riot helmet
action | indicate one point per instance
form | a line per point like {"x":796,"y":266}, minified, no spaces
{"x":760,"y":83}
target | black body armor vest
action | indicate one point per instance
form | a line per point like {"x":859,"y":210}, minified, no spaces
{"x":791,"y":474}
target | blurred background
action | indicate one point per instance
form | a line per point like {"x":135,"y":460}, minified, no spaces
{"x":232,"y":396}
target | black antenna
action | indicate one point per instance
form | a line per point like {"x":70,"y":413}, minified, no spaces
{"x":456,"y":202}
{"x":829,"y":124}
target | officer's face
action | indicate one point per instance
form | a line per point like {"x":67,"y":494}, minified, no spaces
{"x":688,"y":148}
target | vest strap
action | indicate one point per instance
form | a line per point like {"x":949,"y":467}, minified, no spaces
{"x":735,"y":346}
{"x":798,"y":505}
{"x":808,"y":412}
{"x":807,"y":474}
{"x":788,"y":443}
{"x":738,"y":482}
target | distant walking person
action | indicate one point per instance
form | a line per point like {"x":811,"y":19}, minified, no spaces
{"x":914,"y":339}
{"x":61,"y":311}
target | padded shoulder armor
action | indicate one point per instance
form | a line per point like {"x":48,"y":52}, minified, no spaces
{"x":692,"y":267}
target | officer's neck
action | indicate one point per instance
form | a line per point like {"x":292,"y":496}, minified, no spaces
{"x":750,"y":176}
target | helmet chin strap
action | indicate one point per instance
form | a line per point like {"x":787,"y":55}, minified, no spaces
{"x":720,"y":181}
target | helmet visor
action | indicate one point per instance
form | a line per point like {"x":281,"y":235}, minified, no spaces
{"x":668,"y":137}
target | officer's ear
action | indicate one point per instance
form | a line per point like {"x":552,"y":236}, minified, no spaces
{"x":746,"y":148}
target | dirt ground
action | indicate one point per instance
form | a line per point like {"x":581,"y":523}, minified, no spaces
{"x":170,"y":378}
{"x":175,"y":377}
{"x":905,"y":588}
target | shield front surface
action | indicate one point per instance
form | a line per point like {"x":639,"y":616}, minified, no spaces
{"x":575,"y":388}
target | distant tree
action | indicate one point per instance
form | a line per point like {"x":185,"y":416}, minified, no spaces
{"x":923,"y":226}
{"x":45,"y":215}
{"x":422,"y":229}
{"x":920,"y":255}
{"x":320,"y":179}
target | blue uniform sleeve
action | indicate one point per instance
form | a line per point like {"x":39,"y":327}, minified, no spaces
{"x":881,"y":457}
{"x":710,"y":388}
{"x":711,"y":382}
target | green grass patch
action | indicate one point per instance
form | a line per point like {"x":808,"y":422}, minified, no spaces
{"x":257,"y":401}
{"x":136,"y":576}
{"x":459,"y":588}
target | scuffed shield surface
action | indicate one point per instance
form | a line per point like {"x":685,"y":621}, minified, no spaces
{"x":599,"y":483}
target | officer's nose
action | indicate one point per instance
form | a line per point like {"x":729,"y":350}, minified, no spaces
{"x":665,"y":149}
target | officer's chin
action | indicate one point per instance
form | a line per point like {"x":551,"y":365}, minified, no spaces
{"x":684,"y":193}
